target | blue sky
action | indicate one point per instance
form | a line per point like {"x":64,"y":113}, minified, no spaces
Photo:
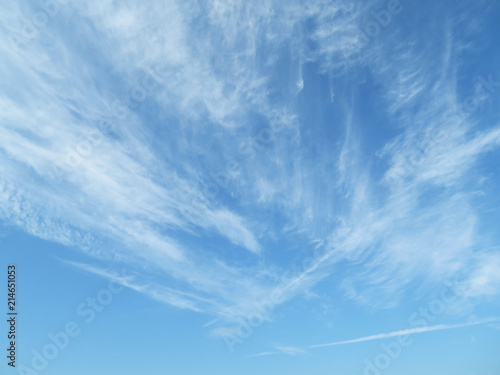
{"x":223,"y":187}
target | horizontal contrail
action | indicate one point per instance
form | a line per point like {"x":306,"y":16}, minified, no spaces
{"x":409,"y":331}
{"x":403,"y":332}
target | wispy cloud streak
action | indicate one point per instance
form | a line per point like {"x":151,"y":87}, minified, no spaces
{"x":381,"y":336}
